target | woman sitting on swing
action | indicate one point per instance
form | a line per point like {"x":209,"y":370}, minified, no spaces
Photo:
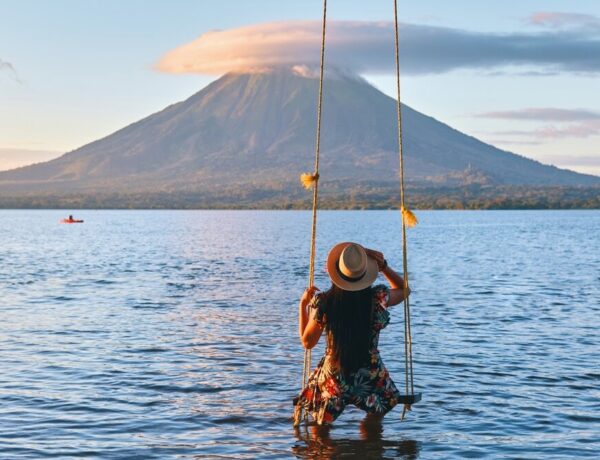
{"x":352,"y":312}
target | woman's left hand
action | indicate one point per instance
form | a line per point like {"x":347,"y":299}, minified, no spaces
{"x":308,"y":294}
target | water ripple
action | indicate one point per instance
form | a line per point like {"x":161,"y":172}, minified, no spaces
{"x":173,"y":335}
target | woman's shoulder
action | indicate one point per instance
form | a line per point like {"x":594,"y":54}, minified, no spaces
{"x":381,"y":294}
{"x":319,"y":300}
{"x":381,"y":315}
{"x":319,"y":303}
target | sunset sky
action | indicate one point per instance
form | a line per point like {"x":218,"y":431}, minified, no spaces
{"x":523,"y":75}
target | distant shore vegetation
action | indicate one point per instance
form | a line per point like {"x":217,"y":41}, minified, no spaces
{"x":470,"y":197}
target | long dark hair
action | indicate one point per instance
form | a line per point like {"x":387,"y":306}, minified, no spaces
{"x":349,"y":315}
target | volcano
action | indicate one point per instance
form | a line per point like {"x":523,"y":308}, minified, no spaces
{"x":254,"y":129}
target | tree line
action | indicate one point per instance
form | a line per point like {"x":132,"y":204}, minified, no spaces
{"x":362,"y":196}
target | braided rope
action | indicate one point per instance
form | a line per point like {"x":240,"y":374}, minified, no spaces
{"x":407,"y":330}
{"x":313,"y":238}
{"x":314,"y":180}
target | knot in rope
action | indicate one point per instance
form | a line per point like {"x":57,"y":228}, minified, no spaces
{"x":308,"y":180}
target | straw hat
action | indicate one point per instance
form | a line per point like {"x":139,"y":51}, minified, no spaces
{"x":350,"y":268}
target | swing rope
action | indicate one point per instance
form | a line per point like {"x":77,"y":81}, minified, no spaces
{"x":312,"y":180}
{"x":408,"y":219}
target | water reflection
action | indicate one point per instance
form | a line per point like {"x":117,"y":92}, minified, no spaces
{"x":316,"y":442}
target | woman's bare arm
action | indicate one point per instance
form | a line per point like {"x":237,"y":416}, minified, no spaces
{"x":309,"y":330}
{"x":397,"y":291}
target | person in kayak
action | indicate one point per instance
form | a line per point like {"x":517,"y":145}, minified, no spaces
{"x":352,"y":313}
{"x":71,"y":220}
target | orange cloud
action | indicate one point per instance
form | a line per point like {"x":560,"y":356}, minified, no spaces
{"x":558,"y":19}
{"x":265,"y":45}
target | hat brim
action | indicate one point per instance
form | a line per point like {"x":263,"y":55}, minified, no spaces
{"x":332,"y":268}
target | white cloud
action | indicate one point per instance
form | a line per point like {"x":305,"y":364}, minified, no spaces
{"x":368,"y":47}
{"x":9,"y":69}
{"x":568,"y":123}
{"x":544,"y":114}
{"x":551,"y":132}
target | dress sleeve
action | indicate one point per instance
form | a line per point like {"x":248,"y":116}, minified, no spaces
{"x":381,"y":295}
{"x":319,"y":303}
{"x":381,"y":314}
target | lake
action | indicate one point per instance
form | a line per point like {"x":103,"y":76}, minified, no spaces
{"x":173,"y":334}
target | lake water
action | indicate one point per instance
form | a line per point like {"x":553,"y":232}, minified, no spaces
{"x":173,"y":334}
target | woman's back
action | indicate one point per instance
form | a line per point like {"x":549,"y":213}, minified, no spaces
{"x":349,"y":326}
{"x":352,"y":321}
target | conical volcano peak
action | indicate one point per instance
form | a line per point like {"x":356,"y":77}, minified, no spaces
{"x":310,"y":71}
{"x":257,"y":129}
{"x":330,"y":72}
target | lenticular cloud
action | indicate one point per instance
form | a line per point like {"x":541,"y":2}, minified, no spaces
{"x":368,"y":47}
{"x":283,"y":43}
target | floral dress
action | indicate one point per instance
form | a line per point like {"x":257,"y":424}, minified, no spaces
{"x":370,"y":388}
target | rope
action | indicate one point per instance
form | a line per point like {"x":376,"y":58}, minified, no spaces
{"x":315,"y":184}
{"x":313,"y":239}
{"x":407,"y":331}
{"x":408,"y":219}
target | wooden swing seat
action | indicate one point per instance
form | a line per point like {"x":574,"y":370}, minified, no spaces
{"x":410,"y":399}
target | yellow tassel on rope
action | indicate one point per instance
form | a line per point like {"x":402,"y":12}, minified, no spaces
{"x":410,"y":220}
{"x":308,"y":180}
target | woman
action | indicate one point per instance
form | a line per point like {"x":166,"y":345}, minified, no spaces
{"x":351,"y":312}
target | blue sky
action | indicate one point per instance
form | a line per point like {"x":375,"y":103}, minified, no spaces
{"x":72,"y":71}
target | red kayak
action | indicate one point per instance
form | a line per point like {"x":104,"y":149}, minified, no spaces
{"x":71,"y":221}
